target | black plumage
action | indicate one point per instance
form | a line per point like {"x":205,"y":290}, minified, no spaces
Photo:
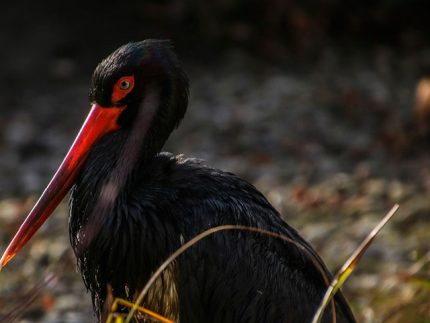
{"x":132,"y":206}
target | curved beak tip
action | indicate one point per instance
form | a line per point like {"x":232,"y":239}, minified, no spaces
{"x":3,"y":261}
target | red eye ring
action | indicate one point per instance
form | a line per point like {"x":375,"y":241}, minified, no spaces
{"x":122,"y":87}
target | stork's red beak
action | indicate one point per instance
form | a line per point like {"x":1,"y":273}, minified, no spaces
{"x":99,"y":122}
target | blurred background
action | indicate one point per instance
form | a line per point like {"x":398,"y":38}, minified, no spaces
{"x":323,"y":105}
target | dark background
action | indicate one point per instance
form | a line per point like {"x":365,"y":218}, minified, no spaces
{"x":323,"y":105}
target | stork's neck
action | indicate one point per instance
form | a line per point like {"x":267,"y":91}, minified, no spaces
{"x":122,"y":154}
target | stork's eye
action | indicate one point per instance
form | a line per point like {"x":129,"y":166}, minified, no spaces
{"x":121,"y":88}
{"x":124,"y":85}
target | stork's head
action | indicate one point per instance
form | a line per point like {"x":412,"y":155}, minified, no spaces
{"x":140,"y":88}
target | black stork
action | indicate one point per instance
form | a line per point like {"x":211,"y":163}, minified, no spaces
{"x":132,"y":206}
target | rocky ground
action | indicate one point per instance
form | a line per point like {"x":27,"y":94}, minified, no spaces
{"x":332,"y":144}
